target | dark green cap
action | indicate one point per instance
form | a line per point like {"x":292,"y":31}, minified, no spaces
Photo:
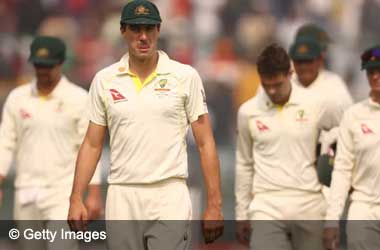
{"x":140,"y":12}
{"x":305,"y":49}
{"x":371,"y":58}
{"x":46,"y":50}
{"x":316,"y":33}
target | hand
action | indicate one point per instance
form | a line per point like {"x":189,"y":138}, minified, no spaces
{"x":331,"y":238}
{"x":1,"y":189}
{"x":94,"y":206}
{"x":243,"y":232}
{"x":1,"y":196}
{"x":78,"y":216}
{"x":213,"y":224}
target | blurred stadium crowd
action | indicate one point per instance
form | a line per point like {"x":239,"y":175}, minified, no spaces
{"x":221,"y":38}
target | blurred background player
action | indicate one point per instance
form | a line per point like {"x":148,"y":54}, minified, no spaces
{"x":318,"y":34}
{"x":309,"y":56}
{"x":276,"y":183}
{"x":357,"y":168}
{"x":147,"y":102}
{"x":42,"y":126}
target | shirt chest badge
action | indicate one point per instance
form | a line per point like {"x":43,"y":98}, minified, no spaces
{"x":59,"y":107}
{"x":116,"y":96}
{"x":301,"y":116}
{"x":162,"y":86}
{"x":261,"y":126}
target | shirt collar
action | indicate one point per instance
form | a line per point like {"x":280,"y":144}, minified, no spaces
{"x":373,"y":104}
{"x":163,"y":65}
{"x":57,"y":91}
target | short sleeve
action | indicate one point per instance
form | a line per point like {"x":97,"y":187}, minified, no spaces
{"x":82,"y":126}
{"x":96,"y":106}
{"x":196,"y":104}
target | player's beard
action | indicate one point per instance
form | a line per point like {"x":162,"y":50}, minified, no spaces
{"x":44,"y":79}
{"x":47,"y":81}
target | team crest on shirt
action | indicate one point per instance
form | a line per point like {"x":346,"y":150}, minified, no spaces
{"x":365,"y":129}
{"x":116,"y":96}
{"x":301,"y":116}
{"x":161,"y":86}
{"x":261,"y":126}
{"x":163,"y":83}
{"x":59,"y":107}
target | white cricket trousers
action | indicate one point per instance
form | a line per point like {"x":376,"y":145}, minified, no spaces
{"x":149,"y":216}
{"x":43,"y":208}
{"x":287,"y":220}
{"x":363,"y":226}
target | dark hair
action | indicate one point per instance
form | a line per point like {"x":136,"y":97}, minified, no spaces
{"x":273,"y":60}
{"x":123,"y":26}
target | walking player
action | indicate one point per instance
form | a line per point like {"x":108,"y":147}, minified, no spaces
{"x":276,"y":180}
{"x":43,"y":125}
{"x":357,"y":167}
{"x":147,"y":102}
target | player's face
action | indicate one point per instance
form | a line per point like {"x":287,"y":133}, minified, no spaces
{"x":277,"y":87}
{"x":142,"y":40}
{"x":373,"y":75}
{"x":307,"y":70}
{"x":47,"y":75}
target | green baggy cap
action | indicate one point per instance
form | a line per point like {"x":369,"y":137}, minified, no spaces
{"x":316,"y":33}
{"x":46,"y":50}
{"x":305,"y":48}
{"x":140,"y":12}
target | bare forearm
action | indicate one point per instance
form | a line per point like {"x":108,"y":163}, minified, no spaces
{"x":94,"y":189}
{"x":85,"y":167}
{"x":211,"y":173}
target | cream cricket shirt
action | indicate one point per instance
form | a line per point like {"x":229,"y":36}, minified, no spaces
{"x":358,"y":158}
{"x":147,"y":121}
{"x":43,"y":134}
{"x":329,"y":85}
{"x":276,"y":145}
